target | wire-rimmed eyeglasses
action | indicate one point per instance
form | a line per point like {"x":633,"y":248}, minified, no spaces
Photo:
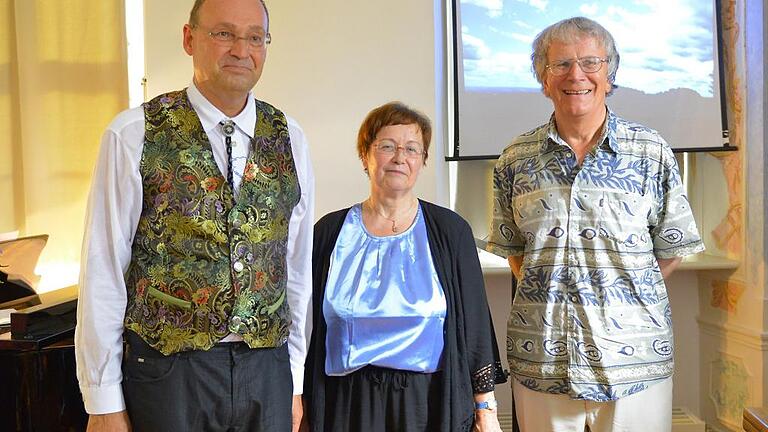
{"x":589,"y":64}
{"x":228,"y":38}
{"x":388,"y":147}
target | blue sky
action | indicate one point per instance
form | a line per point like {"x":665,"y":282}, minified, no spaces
{"x":664,"y":44}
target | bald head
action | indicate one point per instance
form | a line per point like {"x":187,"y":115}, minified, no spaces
{"x":194,"y":14}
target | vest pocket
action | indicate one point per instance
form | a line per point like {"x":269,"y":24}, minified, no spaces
{"x":169,"y":299}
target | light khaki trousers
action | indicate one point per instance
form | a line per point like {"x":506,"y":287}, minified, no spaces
{"x":647,"y":411}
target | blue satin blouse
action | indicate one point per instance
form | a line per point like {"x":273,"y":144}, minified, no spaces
{"x":383,"y":304}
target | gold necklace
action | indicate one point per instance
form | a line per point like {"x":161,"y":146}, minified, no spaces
{"x":394,"y":221}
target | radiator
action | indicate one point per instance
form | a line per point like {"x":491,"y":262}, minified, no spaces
{"x":505,"y":420}
{"x":684,"y":421}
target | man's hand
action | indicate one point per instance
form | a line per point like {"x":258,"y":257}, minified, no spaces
{"x":516,"y":263}
{"x":112,"y":422}
{"x":299,"y":421}
{"x":668,"y":265}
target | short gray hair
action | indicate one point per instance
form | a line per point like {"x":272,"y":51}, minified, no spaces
{"x":570,"y":30}
{"x":194,"y":14}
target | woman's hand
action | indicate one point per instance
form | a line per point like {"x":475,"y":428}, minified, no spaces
{"x":485,"y":417}
{"x":486,"y":421}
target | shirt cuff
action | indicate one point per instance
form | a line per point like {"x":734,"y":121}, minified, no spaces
{"x":104,"y":399}
{"x":680,"y":251}
{"x":298,"y":380}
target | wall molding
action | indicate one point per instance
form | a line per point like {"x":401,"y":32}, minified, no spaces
{"x":729,"y":388}
{"x":745,"y":336}
{"x":729,"y":234}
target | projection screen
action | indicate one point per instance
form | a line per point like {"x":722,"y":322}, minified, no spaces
{"x":668,"y":78}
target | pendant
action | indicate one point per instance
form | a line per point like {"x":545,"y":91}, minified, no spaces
{"x":394,"y":227}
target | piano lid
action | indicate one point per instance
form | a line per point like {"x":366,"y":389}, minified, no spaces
{"x":18,"y":259}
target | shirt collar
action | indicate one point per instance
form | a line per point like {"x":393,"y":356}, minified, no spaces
{"x":609,"y":133}
{"x":210,"y":116}
{"x":607,"y":139}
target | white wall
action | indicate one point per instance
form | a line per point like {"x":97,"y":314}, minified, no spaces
{"x":330,"y":63}
{"x":683,"y":291}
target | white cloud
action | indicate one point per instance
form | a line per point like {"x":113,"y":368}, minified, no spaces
{"x":500,"y":70}
{"x":677,"y":54}
{"x":486,"y":68}
{"x":474,"y":47}
{"x":588,"y":9}
{"x":493,"y":7}
{"x":522,"y":24}
{"x":652,"y":61}
{"x":526,"y":38}
{"x":538,"y":4}
{"x":653,"y":4}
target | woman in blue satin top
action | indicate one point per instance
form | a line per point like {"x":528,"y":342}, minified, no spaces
{"x":402,"y":337}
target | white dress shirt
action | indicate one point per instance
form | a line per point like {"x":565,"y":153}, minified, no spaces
{"x":114,"y":208}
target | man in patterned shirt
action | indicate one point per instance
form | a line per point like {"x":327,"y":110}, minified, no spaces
{"x":592,"y":215}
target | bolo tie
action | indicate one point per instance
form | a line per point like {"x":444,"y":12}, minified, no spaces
{"x":228,"y":128}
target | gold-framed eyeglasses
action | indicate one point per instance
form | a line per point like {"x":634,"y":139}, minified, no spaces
{"x":228,"y":38}
{"x":589,"y":64}
{"x":388,"y":147}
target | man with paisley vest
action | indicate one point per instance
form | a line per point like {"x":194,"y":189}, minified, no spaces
{"x":196,"y":268}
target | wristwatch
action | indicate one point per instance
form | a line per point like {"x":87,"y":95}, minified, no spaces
{"x":489,"y":404}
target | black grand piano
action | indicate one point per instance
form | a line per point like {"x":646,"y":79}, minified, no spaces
{"x":38,"y":386}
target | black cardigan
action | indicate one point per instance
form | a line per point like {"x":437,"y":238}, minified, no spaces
{"x":470,"y":353}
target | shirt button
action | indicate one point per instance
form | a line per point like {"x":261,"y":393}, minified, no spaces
{"x":238,"y":268}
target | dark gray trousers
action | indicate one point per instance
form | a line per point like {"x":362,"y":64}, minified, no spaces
{"x":230,"y":387}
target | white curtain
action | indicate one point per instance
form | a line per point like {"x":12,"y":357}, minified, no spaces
{"x":62,"y":79}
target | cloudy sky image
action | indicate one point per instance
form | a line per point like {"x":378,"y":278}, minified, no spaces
{"x":664,"y":44}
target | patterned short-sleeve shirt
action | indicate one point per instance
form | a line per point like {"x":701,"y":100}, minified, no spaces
{"x":591,"y":317}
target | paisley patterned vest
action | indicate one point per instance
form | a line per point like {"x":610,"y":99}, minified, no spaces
{"x":204,"y":264}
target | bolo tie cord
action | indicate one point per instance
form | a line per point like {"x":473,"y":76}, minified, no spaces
{"x":228,"y":127}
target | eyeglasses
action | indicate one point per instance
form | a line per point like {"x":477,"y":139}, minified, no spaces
{"x":587,"y":64}
{"x":227,"y":38}
{"x":388,"y":147}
